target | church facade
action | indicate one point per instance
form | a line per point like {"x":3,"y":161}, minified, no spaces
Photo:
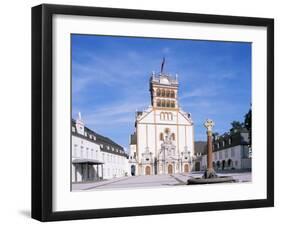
{"x":163,"y":140}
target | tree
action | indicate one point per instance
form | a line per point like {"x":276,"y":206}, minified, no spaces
{"x":236,"y":125}
{"x":215,"y":134}
{"x":248,"y":124}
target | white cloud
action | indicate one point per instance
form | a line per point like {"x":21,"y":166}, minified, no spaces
{"x":208,"y":91}
{"x":166,"y":50}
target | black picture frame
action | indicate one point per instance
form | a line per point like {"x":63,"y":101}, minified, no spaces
{"x":42,"y":197}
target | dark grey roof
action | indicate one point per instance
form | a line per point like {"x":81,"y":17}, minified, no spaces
{"x":238,"y":137}
{"x":200,"y":147}
{"x":100,"y":140}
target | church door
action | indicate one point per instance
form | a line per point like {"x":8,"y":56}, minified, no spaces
{"x":197,"y":166}
{"x":170,"y":169}
{"x":147,"y":170}
{"x":186,"y":168}
{"x":133,"y":170}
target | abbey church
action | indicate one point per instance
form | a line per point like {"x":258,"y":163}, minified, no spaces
{"x":163,"y":140}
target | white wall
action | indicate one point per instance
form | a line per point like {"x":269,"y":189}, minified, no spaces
{"x":15,"y":111}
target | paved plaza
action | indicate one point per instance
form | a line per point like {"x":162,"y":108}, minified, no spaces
{"x":153,"y":181}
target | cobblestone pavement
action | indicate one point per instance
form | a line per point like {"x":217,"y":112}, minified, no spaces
{"x":152,"y":181}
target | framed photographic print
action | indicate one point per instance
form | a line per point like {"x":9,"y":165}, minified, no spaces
{"x":145,"y":112}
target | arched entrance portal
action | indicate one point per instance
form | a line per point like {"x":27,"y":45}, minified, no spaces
{"x":170,"y":169}
{"x":186,"y":168}
{"x":197,"y":166}
{"x":147,"y":170}
{"x":223,"y":164}
{"x":133,"y":170}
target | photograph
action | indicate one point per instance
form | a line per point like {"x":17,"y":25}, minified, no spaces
{"x":151,"y":112}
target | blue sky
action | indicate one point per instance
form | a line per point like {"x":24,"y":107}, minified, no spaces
{"x":110,"y":80}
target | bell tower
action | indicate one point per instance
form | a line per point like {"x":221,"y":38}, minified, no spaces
{"x":164,"y":90}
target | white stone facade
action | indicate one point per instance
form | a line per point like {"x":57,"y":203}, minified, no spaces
{"x":229,"y":159}
{"x":95,"y":157}
{"x":164,"y":133}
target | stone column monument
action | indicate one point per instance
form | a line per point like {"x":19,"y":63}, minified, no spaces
{"x":210,"y":172}
{"x":210,"y":175}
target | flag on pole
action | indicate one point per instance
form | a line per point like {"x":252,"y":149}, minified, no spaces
{"x":162,"y":66}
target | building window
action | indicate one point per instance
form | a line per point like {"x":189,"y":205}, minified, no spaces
{"x":163,"y":93}
{"x":161,"y":136}
{"x":158,"y":103}
{"x":75,"y":150}
{"x":168,"y":93}
{"x":168,"y":103}
{"x":158,"y":92}
{"x":220,"y":155}
{"x":232,"y":152}
{"x":162,"y":116}
{"x":172,"y":104}
{"x":163,"y":103}
{"x":172,"y":94}
{"x":73,"y":129}
{"x":166,"y":116}
{"x":226,"y":153}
